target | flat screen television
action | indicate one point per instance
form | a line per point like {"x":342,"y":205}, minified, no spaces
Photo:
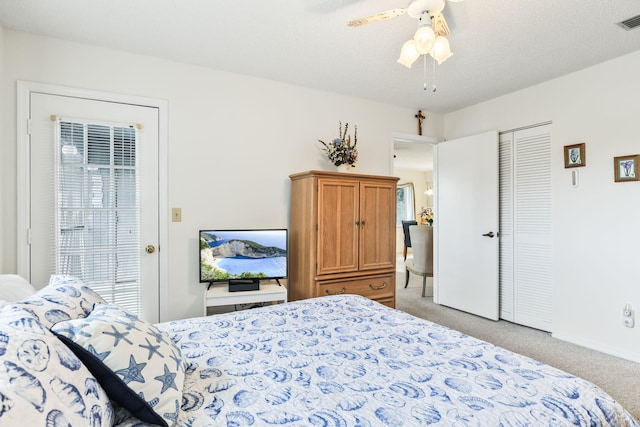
{"x":243,"y":255}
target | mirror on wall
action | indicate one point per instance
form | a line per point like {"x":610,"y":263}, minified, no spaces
{"x":405,"y":203}
{"x":413,"y":164}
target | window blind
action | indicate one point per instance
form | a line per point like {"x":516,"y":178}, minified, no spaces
{"x":97,"y":215}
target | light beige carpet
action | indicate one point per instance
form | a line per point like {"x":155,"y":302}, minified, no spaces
{"x":618,"y":377}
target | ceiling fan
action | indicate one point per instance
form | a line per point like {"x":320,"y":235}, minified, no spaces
{"x":415,"y":9}
{"x":430,"y":39}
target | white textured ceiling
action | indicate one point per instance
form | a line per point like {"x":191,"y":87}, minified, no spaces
{"x":499,"y":46}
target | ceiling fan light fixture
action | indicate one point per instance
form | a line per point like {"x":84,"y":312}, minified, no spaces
{"x":408,"y":54}
{"x":424,"y":36}
{"x":429,"y":38}
{"x":441,"y":50}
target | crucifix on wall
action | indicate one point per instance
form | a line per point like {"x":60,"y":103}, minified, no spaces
{"x":420,"y":118}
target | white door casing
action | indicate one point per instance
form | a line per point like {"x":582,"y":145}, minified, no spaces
{"x":36,"y":167}
{"x":466,"y":208}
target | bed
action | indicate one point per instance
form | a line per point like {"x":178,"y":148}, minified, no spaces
{"x":332,"y":361}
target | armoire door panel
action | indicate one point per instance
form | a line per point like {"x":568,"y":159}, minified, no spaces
{"x":377,"y":225}
{"x":337,"y":216}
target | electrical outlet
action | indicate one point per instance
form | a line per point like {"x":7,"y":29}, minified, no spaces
{"x":176,"y":214}
{"x":627,"y":316}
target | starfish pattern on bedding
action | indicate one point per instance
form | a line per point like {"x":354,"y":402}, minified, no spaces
{"x":176,"y":358}
{"x":94,"y":352}
{"x":76,"y":330}
{"x":133,"y":372}
{"x":118,"y":336}
{"x":167,"y":380}
{"x":153,"y":349}
{"x":157,"y":335}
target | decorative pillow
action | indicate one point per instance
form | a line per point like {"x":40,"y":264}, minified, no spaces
{"x":64,"y":298}
{"x":139,"y":366}
{"x":41,"y":381}
{"x":14,"y":287}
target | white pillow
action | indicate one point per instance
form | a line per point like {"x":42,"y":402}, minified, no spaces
{"x":64,"y":298}
{"x":14,"y":288}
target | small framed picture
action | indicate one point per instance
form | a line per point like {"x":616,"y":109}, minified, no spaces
{"x":574,"y":156}
{"x":626,"y":168}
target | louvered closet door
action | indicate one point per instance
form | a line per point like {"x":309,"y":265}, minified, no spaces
{"x":526,"y":228}
{"x":506,"y":226}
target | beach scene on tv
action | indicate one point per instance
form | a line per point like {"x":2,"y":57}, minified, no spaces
{"x":242,"y":254}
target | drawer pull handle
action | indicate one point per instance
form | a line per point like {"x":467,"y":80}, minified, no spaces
{"x":342,"y":291}
{"x":384,"y":285}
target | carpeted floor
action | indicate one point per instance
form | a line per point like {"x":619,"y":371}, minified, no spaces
{"x":618,"y":377}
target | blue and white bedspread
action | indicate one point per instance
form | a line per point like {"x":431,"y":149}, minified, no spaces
{"x":347,"y":361}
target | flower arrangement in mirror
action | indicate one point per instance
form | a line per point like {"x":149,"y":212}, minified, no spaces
{"x":341,"y":152}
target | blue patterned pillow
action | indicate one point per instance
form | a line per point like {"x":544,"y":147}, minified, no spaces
{"x":64,"y":298}
{"x":139,"y":366}
{"x":41,"y":381}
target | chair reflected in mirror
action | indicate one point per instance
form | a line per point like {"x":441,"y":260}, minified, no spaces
{"x":421,"y":263}
{"x":407,"y":237}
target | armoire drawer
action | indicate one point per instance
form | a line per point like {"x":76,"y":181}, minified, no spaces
{"x":373,"y":287}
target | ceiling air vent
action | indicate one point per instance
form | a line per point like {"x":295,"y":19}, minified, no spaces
{"x":631,"y":23}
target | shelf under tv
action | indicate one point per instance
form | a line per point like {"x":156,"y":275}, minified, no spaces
{"x":217,"y":294}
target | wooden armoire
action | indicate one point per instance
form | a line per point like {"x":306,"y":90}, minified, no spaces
{"x":342,"y":235}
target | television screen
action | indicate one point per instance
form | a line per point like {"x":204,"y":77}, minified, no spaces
{"x":243,"y":254}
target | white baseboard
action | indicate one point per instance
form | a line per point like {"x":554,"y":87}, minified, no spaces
{"x":614,"y":351}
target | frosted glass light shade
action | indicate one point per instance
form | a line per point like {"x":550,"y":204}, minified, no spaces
{"x":408,"y":54}
{"x":441,"y":50}
{"x":424,"y":38}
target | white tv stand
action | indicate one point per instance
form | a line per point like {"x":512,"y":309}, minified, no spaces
{"x":218,"y":294}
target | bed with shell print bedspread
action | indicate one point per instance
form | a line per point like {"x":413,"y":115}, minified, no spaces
{"x":69,"y":358}
{"x":348,"y":361}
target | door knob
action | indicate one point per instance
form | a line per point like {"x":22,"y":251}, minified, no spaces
{"x":489,"y":234}
{"x":150,"y":249}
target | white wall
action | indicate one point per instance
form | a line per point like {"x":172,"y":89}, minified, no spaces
{"x":233,"y":141}
{"x":597,"y":225}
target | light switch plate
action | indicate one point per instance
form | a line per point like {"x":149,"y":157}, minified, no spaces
{"x":176,"y":215}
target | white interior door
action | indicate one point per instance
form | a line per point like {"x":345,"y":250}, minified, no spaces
{"x":103,"y":267}
{"x":466,"y":221}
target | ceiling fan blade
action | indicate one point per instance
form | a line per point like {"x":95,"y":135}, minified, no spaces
{"x":439,"y":25}
{"x":391,"y":13}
